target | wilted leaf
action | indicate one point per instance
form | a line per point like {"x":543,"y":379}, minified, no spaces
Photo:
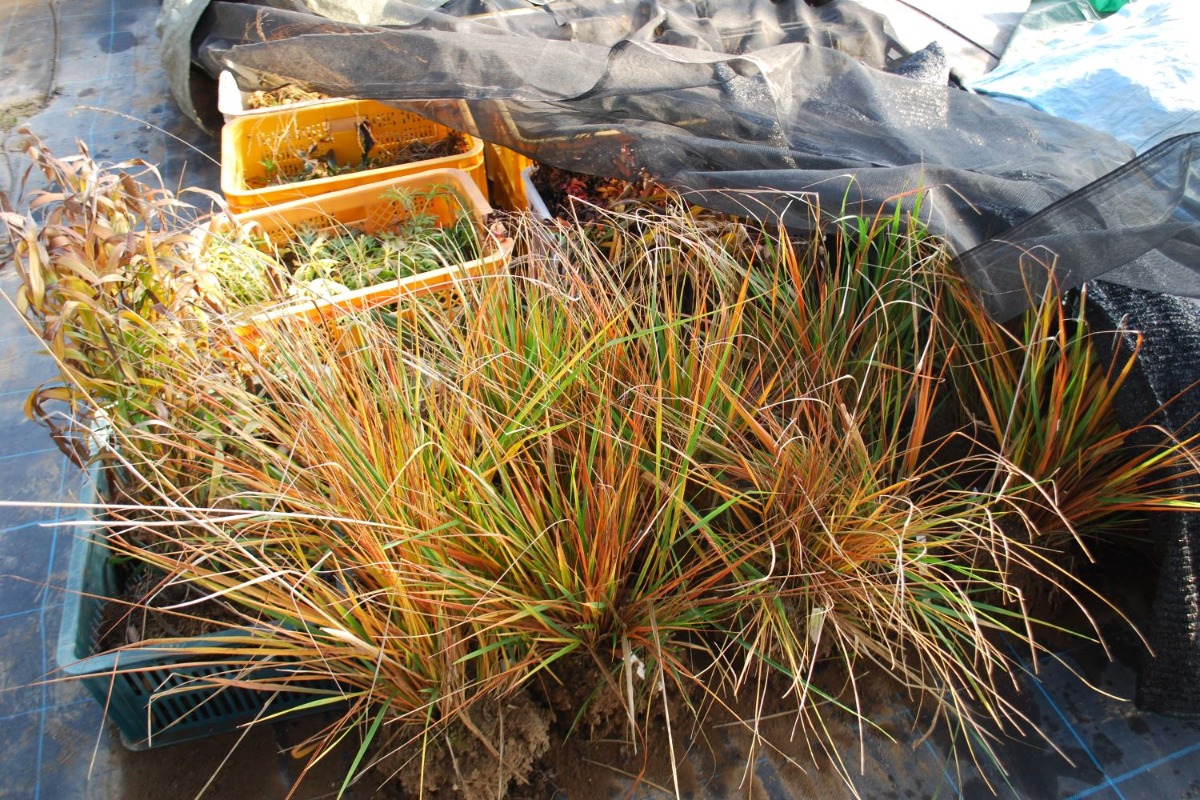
{"x":37,"y":281}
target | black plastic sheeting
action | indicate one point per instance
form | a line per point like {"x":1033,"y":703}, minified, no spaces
{"x":750,"y":106}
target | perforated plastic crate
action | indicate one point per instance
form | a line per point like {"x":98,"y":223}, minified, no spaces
{"x":156,"y":695}
{"x":504,"y":169}
{"x":257,"y":149}
{"x":376,"y":208}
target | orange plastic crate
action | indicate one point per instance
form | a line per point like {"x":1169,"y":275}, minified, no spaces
{"x":504,"y":168}
{"x":444,"y":193}
{"x":253,"y":148}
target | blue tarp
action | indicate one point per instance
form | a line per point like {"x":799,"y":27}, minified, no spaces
{"x":1134,"y":75}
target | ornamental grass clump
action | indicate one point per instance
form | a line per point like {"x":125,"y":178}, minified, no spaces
{"x":596,"y":494}
{"x":877,"y":553}
{"x":1045,"y":403}
{"x":455,"y":514}
{"x":713,"y":464}
{"x":903,"y":530}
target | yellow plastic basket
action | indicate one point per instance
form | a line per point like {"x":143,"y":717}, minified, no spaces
{"x":374,"y":208}
{"x":255,"y":149}
{"x":504,"y":168}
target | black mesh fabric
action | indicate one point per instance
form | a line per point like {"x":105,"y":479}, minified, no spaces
{"x":1137,"y":226}
{"x":1162,"y":391}
{"x":750,"y":105}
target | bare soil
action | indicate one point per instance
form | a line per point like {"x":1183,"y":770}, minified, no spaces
{"x":495,"y":748}
{"x":752,"y":746}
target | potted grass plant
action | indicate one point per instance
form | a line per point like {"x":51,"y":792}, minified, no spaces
{"x":165,"y":669}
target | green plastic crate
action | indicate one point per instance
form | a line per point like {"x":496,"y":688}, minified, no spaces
{"x":132,"y":684}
